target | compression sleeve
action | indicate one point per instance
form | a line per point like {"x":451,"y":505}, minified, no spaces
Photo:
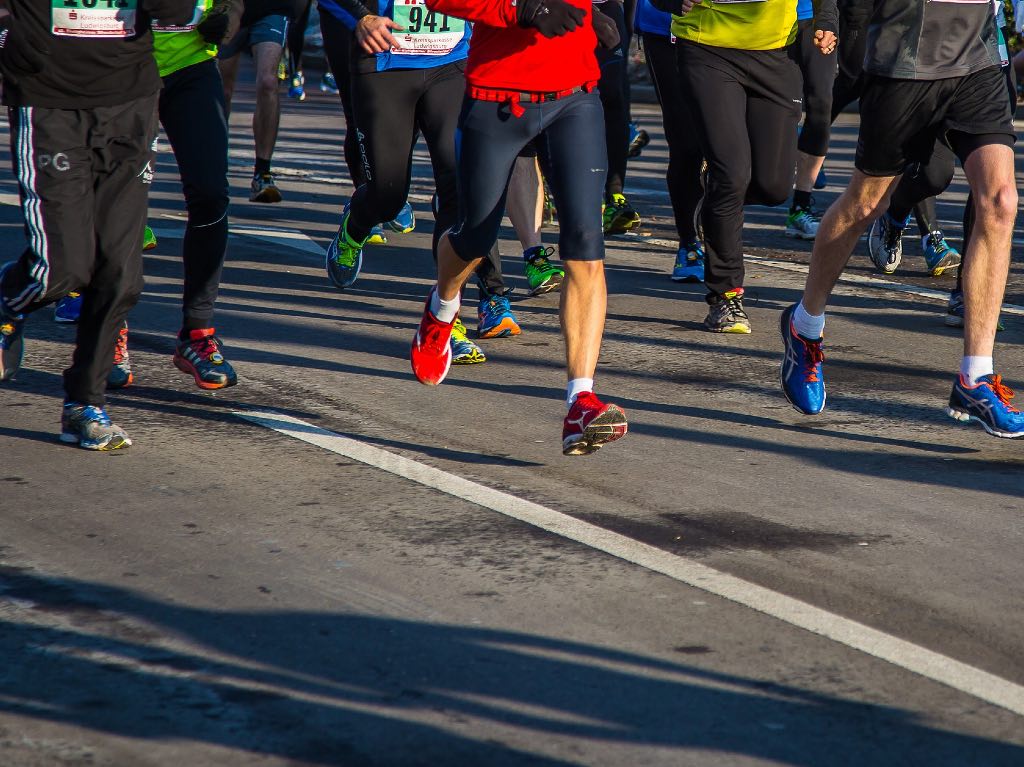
{"x":493,"y":13}
{"x":826,"y":16}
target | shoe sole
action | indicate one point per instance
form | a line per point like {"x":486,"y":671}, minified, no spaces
{"x":266,"y":196}
{"x":607,"y":427}
{"x":186,"y":367}
{"x":795,"y":235}
{"x":377,"y":239}
{"x":686,"y":279}
{"x":469,"y":359}
{"x":120,"y":385}
{"x":64,"y":320}
{"x":952,"y":321}
{"x":621,"y":228}
{"x":964,"y":417}
{"x":740,"y":330}
{"x":115,"y":443}
{"x":149,"y":246}
{"x":504,"y":330}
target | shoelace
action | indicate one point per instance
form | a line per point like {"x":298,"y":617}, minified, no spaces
{"x":735,"y":307}
{"x":121,"y":347}
{"x":1003,"y":392}
{"x":893,"y":234}
{"x":540,"y":258}
{"x":497,"y":306}
{"x":432,"y":338}
{"x":938,"y":243}
{"x":95,"y":414}
{"x":205,"y":347}
{"x":814,"y":355}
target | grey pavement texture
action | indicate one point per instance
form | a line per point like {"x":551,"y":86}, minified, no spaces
{"x":221,"y":594}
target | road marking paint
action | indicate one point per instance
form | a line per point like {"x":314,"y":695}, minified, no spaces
{"x":289,"y":237}
{"x":907,"y":655}
{"x":862,"y":280}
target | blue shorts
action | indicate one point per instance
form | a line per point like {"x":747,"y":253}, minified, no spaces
{"x":269,"y":29}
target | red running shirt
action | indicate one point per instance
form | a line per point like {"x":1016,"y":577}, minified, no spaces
{"x":504,"y":56}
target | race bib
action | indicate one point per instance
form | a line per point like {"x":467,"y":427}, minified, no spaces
{"x":425,"y":32}
{"x":192,"y":23}
{"x":93,"y":18}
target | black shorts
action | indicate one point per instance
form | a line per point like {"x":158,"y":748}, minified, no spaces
{"x":900,"y":120}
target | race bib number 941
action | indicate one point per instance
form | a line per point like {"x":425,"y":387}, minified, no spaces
{"x":93,"y":18}
{"x":425,"y":32}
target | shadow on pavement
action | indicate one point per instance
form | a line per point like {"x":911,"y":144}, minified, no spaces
{"x":349,"y":689}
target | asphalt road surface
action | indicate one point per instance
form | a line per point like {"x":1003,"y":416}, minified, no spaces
{"x":330,"y":564}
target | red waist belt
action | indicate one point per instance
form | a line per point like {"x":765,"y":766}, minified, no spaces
{"x":512,"y":98}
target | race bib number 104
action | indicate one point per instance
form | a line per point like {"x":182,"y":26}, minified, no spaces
{"x":93,"y":18}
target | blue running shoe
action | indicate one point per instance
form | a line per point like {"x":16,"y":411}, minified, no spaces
{"x":822,"y":180}
{"x":464,"y":351}
{"x":988,"y":403}
{"x":344,"y":256}
{"x":68,"y":308}
{"x":802,"y":380}
{"x":638,"y":139}
{"x":955,"y":311}
{"x":89,"y":427}
{"x":297,"y":88}
{"x":377,"y":236}
{"x":689,"y":265}
{"x":939,"y":254}
{"x":328,"y":84}
{"x":496,"y":318}
{"x":405,"y":221}
{"x":12,"y":346}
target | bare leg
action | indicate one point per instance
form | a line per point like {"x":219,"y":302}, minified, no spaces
{"x":584,"y":301}
{"x":525,"y":203}
{"x":841,"y":226}
{"x":452,"y":271}
{"x":989,"y":170}
{"x":266,"y":118}
{"x":228,"y":74}
{"x":807,"y":168}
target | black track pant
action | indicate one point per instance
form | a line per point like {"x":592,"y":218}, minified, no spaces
{"x":684,"y":155}
{"x":192,"y":113}
{"x":745,"y":107}
{"x":83,"y":177}
{"x":614,"y":90}
{"x":338,"y":42}
{"x":819,"y":73}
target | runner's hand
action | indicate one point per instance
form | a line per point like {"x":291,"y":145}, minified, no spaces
{"x":552,"y":18}
{"x":825,"y":41}
{"x":19,"y":54}
{"x":604,"y":27}
{"x":221,"y":22}
{"x":374,"y":33}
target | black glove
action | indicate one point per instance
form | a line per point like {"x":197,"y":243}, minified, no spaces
{"x":221,"y":22}
{"x":675,"y":7}
{"x":552,"y":18}
{"x":20,"y":53}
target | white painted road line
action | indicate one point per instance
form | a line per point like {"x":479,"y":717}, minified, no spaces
{"x":852,"y":279}
{"x":919,"y":660}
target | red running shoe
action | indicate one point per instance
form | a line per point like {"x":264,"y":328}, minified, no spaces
{"x":431,"y":348}
{"x":590,"y":424}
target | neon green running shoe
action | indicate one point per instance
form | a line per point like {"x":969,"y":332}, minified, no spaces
{"x":344,"y":257}
{"x":148,"y":239}
{"x":464,"y":351}
{"x":540,"y":273}
{"x":618,"y":215}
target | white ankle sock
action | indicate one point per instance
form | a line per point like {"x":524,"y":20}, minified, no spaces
{"x":576,"y":387}
{"x":973,"y":368}
{"x":810,"y":326}
{"x":445,"y":311}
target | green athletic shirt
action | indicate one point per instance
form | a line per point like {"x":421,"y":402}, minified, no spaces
{"x":750,"y":25}
{"x":177,"y":47}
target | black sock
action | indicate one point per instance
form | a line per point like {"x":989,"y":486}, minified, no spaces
{"x":801,"y":200}
{"x":262,"y":166}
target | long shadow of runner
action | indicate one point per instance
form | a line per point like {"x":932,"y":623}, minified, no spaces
{"x":349,"y":689}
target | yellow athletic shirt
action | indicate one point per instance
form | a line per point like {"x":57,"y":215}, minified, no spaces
{"x":753,"y":25}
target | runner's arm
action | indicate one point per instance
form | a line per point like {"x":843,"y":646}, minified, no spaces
{"x":493,"y":13}
{"x":826,"y":25}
